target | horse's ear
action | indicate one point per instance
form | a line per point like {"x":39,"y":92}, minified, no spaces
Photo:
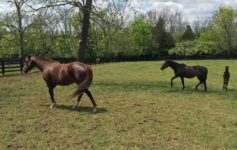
{"x":33,"y":57}
{"x":27,"y":58}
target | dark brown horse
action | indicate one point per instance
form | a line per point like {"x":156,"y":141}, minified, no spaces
{"x":55,"y":73}
{"x":184,"y":71}
{"x":226,"y":77}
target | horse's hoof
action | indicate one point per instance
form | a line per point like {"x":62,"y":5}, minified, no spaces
{"x":95,"y":110}
{"x":74,"y":107}
{"x":51,"y":106}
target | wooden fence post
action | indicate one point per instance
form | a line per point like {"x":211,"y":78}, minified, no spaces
{"x":21,"y":65}
{"x":3,"y":67}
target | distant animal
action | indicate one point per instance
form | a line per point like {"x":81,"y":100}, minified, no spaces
{"x":184,"y":71}
{"x":55,"y":73}
{"x":226,"y":77}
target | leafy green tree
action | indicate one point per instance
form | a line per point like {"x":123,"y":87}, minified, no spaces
{"x":162,"y":40}
{"x":225,"y":29}
{"x":188,"y":34}
{"x":7,"y":47}
{"x":141,"y":32}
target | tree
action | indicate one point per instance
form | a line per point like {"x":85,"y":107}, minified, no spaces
{"x":141,"y":35}
{"x":188,"y":34}
{"x":225,"y":27}
{"x":110,"y":28}
{"x":19,"y":21}
{"x":162,"y":40}
{"x":85,"y":30}
{"x":200,"y":25}
{"x":85,"y":7}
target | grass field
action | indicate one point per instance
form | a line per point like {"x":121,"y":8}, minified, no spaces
{"x":137,"y":109}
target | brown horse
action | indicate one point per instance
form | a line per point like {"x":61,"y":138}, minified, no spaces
{"x":55,"y":73}
{"x":184,"y":71}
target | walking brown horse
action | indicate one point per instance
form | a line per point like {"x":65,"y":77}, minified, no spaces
{"x":55,"y":73}
{"x":184,"y":71}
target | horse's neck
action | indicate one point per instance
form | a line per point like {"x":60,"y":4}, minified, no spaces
{"x":174,"y":65}
{"x":40,"y":64}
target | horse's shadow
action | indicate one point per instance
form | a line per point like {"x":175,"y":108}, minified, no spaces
{"x":80,"y":109}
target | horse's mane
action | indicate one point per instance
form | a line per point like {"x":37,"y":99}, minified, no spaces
{"x":45,"y":59}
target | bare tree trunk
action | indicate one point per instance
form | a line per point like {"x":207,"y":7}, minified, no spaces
{"x":229,"y":43}
{"x":20,"y":28}
{"x":85,"y":30}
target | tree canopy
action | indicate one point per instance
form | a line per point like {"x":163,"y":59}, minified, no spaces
{"x":87,"y":30}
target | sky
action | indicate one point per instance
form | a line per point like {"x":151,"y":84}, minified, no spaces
{"x":192,"y":9}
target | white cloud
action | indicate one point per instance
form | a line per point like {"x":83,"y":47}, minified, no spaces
{"x":4,"y":7}
{"x":191,"y":8}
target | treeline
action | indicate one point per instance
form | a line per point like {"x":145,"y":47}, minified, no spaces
{"x":117,"y":31}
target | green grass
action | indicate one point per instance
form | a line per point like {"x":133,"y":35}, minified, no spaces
{"x":137,"y":109}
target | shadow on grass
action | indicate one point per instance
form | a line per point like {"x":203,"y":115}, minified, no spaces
{"x":164,"y":86}
{"x":80,"y":108}
{"x":133,"y":85}
{"x":159,"y":85}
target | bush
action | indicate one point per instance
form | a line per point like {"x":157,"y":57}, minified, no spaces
{"x":193,"y":48}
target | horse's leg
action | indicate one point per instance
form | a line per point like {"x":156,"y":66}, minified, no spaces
{"x":51,"y":87}
{"x":52,"y":97}
{"x":226,"y":84}
{"x":171,"y":82}
{"x":205,"y":85}
{"x":196,"y":88}
{"x":88,"y":93}
{"x":200,"y":82}
{"x":182,"y":79}
{"x":203,"y":79}
{"x":78,"y":100}
{"x":223,"y":87}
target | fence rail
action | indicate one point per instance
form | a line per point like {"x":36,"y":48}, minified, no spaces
{"x":11,"y":65}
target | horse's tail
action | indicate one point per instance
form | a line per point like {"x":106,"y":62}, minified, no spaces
{"x":85,"y":83}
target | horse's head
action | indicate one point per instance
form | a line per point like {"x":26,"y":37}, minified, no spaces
{"x":29,"y":63}
{"x":226,"y":67}
{"x":165,"y":65}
